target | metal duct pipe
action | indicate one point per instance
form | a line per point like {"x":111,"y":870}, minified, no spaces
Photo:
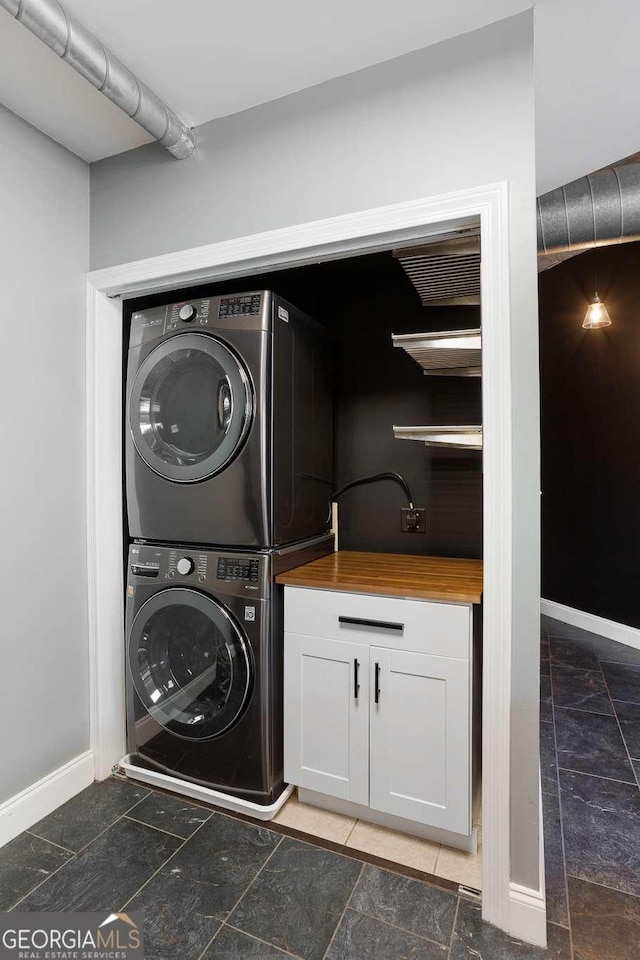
{"x":599,"y":209}
{"x":51,"y":23}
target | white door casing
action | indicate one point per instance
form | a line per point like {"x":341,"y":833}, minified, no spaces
{"x":350,"y":234}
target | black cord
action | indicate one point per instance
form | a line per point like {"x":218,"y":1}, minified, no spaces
{"x":372,"y":479}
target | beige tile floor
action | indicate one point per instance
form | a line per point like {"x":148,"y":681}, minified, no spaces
{"x":391,"y":845}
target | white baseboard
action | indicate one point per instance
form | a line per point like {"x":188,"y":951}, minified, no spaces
{"x":589,"y":621}
{"x":42,"y":798}
{"x":527,"y":915}
{"x":527,"y":908}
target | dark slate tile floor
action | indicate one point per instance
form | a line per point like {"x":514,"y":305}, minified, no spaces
{"x":590,"y":760}
{"x":211,"y":886}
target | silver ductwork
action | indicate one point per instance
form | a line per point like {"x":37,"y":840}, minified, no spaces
{"x":51,"y":23}
{"x":599,"y":209}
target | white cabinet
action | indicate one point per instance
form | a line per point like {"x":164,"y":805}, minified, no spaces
{"x":327,"y":716}
{"x":375,"y":713}
{"x":420,"y":738}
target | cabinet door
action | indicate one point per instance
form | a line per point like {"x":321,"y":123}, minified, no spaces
{"x":420,"y":738}
{"x":326,"y":718}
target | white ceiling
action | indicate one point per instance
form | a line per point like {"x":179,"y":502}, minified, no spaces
{"x":208,"y":59}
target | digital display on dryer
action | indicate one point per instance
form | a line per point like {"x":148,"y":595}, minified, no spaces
{"x":247,"y":306}
{"x":238,"y":568}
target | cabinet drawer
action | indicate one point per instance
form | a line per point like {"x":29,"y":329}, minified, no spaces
{"x":439,"y":629}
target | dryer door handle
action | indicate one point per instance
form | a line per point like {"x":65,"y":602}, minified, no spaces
{"x":225,"y":404}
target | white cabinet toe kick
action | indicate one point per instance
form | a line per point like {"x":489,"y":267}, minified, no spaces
{"x":379,"y":708}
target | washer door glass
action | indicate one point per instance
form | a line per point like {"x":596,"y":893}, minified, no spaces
{"x":190,"y":664}
{"x":190,"y":407}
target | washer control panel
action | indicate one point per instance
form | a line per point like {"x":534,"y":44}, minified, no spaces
{"x":233,"y":574}
{"x":238,"y":568}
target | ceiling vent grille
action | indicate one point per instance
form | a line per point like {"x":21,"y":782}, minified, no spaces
{"x":446,"y":273}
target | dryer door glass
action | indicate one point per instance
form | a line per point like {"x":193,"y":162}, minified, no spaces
{"x":190,"y":407}
{"x":190,"y":664}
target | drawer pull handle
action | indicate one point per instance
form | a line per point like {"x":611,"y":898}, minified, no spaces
{"x":356,"y":685}
{"x":377,"y":684}
{"x":382,"y":624}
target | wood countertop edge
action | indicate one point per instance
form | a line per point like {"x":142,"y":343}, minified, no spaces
{"x":405,"y":594}
{"x":323,"y":575}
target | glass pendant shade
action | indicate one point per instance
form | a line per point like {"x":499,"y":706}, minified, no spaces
{"x":596,"y":315}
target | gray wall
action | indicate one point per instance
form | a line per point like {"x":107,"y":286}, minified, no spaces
{"x":453,"y":116}
{"x":44,"y":709}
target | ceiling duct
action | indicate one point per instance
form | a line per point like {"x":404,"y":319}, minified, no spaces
{"x":444,"y":273}
{"x":599,"y":209}
{"x":51,"y":23}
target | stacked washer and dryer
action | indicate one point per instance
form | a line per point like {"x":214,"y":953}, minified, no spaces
{"x":229,"y":475}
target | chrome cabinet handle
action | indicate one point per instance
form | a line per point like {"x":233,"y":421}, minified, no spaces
{"x":376,"y":697}
{"x":356,"y":685}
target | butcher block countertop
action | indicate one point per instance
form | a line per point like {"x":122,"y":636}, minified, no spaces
{"x":393,"y":575}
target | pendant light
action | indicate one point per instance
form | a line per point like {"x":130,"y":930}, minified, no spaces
{"x":597,"y":315}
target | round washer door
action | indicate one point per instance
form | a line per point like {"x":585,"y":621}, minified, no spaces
{"x":190,"y":664}
{"x":190,"y":407}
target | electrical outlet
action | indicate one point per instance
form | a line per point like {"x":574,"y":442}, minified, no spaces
{"x":413,"y":520}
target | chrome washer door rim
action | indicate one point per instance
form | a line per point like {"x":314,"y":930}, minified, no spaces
{"x":154,"y":676}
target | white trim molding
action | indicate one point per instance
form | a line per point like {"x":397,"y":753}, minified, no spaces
{"x":337,"y":237}
{"x":527,"y":915}
{"x":527,"y":907}
{"x":42,"y":798}
{"x":594,"y":624}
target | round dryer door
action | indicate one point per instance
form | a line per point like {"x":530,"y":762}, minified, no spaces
{"x":190,"y":407}
{"x":190,"y":664}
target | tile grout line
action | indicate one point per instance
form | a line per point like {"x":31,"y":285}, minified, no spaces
{"x":437,"y":860}
{"x":38,"y":885}
{"x":287,"y":953}
{"x":160,"y":829}
{"x":395,"y":926}
{"x":560,"y":817}
{"x":605,"y":886}
{"x":453,"y":929}
{"x":355,"y":824}
{"x":350,"y":853}
{"x":120,"y":816}
{"x":342,"y":915}
{"x":74,"y":854}
{"x":238,"y":901}
{"x":597,"y":776}
{"x":52,"y":842}
{"x":163,"y":865}
{"x":632,"y":703}
{"x":253,"y":879}
{"x":624,"y":741}
{"x":615,"y":717}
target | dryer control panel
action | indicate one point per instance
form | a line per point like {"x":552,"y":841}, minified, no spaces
{"x":243,"y":311}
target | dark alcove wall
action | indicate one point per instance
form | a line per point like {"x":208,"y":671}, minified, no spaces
{"x":362,"y":301}
{"x":590,"y":394}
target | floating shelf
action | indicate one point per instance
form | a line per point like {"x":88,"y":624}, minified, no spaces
{"x":451,"y":353}
{"x":445,"y":273}
{"x":467,"y":438}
